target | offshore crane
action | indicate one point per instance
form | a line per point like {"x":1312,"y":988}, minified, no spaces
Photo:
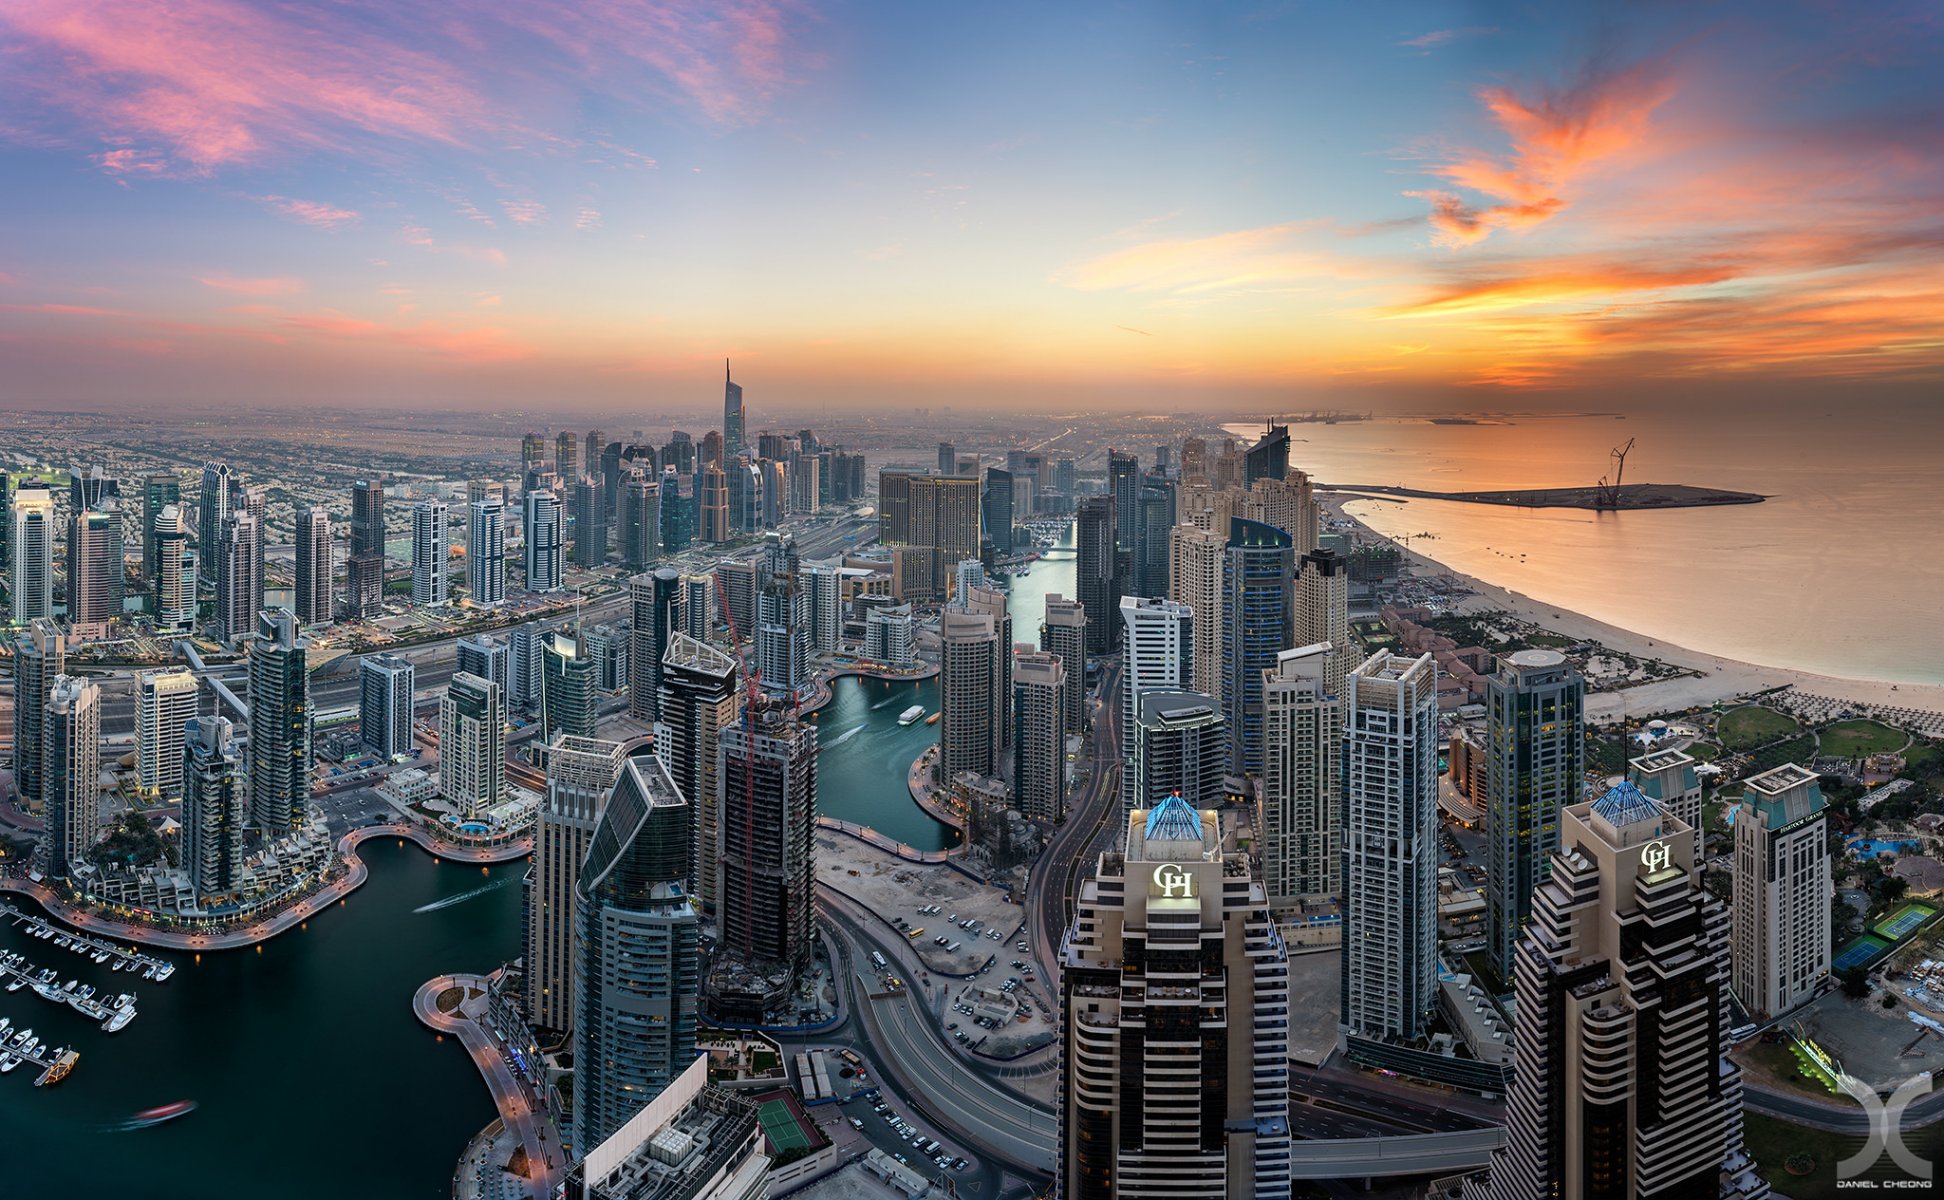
{"x":1609,"y":494}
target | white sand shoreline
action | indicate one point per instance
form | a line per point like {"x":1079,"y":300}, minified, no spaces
{"x":1720,"y":678}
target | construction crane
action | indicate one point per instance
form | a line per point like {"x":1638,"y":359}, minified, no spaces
{"x":752,"y":691}
{"x":1609,"y":494}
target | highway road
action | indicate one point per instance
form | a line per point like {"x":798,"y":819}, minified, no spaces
{"x":960,"y":1097}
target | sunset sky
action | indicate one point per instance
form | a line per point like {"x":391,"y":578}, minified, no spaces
{"x":590,"y":204}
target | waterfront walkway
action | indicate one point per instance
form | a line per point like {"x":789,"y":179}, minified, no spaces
{"x":523,"y":1125}
{"x":286,"y":919}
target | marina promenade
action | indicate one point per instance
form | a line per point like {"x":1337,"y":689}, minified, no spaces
{"x":523,"y":1132}
{"x":285,"y":920}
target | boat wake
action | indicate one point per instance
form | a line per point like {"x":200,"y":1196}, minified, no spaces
{"x":462,"y":897}
{"x":846,"y":736}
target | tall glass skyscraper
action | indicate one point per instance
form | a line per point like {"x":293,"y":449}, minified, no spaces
{"x":635,"y":989}
{"x":1256,"y":569}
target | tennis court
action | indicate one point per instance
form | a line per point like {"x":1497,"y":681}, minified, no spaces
{"x":1904,"y":922}
{"x":781,"y":1126}
{"x":1860,"y":953}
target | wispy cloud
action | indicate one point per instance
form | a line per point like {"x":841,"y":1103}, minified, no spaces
{"x":276,"y":285}
{"x":1426,"y":42}
{"x":311,"y":212}
{"x":1245,"y":258}
{"x":1557,"y":137}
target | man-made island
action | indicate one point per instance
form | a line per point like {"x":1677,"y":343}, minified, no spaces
{"x":1628,"y":496}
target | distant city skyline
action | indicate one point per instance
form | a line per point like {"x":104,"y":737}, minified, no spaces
{"x":866,"y":206}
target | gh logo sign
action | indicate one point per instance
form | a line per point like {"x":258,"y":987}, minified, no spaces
{"x":1171,"y":881}
{"x":1886,"y":1127}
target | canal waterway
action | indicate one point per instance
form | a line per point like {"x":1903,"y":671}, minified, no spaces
{"x":311,"y":1076}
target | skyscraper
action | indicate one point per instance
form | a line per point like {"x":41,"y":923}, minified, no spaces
{"x":280,"y":724}
{"x":1094,"y":572}
{"x":385,"y":685}
{"x":212,"y":510}
{"x":1179,"y":748}
{"x":1779,"y":949}
{"x":699,"y":699}
{"x":635,"y":990}
{"x":71,"y":758}
{"x":486,"y":655}
{"x":239,"y":588}
{"x":998,"y":514}
{"x":655,"y":600}
{"x":364,"y":593}
{"x":1197,"y":557}
{"x":767,"y":851}
{"x":1299,"y":807}
{"x":1669,"y":778}
{"x":30,"y":543}
{"x":164,"y":703}
{"x":1322,"y":610}
{"x":213,"y":812}
{"x":1535,"y":748}
{"x":1174,"y":1022}
{"x":486,"y":552}
{"x":713,"y":506}
{"x":314,"y":566}
{"x":1064,"y":633}
{"x":567,"y":689}
{"x":1390,"y":848}
{"x":544,"y":526}
{"x":1259,"y":561}
{"x":429,"y":553}
{"x":1157,"y":655}
{"x":1268,"y":458}
{"x":94,"y":570}
{"x":472,"y":744}
{"x":39,"y":658}
{"x":783,"y":636}
{"x":590,"y":524}
{"x":1039,"y":738}
{"x":1620,"y":1085}
{"x":825,"y":601}
{"x":580,"y":774}
{"x":732,"y":414}
{"x":175,"y":571}
{"x":159,"y":490}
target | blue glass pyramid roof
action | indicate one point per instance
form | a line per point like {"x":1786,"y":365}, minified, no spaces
{"x":1625,"y":804}
{"x":1172,"y":820}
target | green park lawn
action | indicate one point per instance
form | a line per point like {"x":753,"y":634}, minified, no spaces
{"x":1855,"y":739}
{"x":1752,"y":725}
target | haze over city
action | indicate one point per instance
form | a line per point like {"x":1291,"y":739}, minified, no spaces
{"x":1260,"y":207}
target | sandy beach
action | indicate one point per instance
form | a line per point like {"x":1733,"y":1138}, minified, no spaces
{"x":1720,"y":678}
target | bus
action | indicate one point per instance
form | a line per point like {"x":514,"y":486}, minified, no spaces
{"x":877,"y":960}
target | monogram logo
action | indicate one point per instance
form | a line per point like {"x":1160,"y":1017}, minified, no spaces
{"x":1171,"y":881}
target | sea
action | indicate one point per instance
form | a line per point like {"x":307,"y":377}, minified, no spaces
{"x":1839,"y":572}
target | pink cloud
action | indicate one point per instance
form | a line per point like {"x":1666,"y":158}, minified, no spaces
{"x":61,"y":310}
{"x":311,"y":212}
{"x":196,"y":85}
{"x":278,"y":285}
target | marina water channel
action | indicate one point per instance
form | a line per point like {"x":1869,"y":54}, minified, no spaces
{"x":310,"y":1074}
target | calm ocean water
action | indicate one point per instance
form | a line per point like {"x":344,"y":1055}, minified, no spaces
{"x":1840,"y":572}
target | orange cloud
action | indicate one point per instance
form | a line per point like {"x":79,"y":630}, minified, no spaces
{"x":1556,"y":139}
{"x":279,"y":285}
